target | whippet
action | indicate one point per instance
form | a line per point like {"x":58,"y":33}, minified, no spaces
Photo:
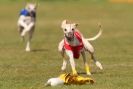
{"x":26,"y":22}
{"x":73,"y":44}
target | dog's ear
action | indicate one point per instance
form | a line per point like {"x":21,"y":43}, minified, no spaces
{"x":64,"y":22}
{"x":36,"y":4}
{"x":26,"y":5}
{"x":75,"y":24}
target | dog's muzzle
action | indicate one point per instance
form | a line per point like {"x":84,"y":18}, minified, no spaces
{"x":69,"y":36}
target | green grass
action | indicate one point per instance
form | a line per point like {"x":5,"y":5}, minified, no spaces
{"x":21,"y":70}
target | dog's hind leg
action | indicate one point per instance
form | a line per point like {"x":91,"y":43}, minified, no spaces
{"x":63,"y":68}
{"x":90,"y":49}
{"x":85,"y":63}
{"x":98,"y":64}
{"x":30,"y":34}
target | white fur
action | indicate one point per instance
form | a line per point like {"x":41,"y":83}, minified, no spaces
{"x":26,"y":24}
{"x":54,"y":82}
{"x":67,"y":29}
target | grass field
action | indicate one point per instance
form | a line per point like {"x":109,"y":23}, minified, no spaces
{"x":21,"y":70}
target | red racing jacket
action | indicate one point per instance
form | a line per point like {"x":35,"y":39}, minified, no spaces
{"x":75,"y":49}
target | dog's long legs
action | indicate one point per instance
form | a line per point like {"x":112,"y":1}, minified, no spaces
{"x":85,"y":63}
{"x":64,"y":61}
{"x":90,"y":49}
{"x":62,"y":52}
{"x":29,"y":39}
{"x":22,"y":25}
{"x":72,"y":62}
{"x":28,"y":28}
{"x":98,"y":64}
{"x":27,"y":46}
{"x":64,"y":64}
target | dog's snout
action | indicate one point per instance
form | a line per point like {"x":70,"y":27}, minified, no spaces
{"x":70,"y":34}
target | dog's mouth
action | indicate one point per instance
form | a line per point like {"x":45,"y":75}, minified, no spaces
{"x":69,"y":36}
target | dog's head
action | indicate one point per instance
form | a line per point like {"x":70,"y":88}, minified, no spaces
{"x":31,"y":7}
{"x":68,"y":29}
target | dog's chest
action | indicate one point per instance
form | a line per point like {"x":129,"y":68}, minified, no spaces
{"x":74,"y":42}
{"x":29,"y":19}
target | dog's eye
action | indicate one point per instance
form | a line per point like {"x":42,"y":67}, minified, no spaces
{"x":72,"y":29}
{"x":65,"y":29}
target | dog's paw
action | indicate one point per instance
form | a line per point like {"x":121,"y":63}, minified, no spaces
{"x":88,"y":73}
{"x":99,"y":65}
{"x":63,"y":68}
{"x":74,"y":72}
{"x":27,"y":50}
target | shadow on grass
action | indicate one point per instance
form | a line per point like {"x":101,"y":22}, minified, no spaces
{"x":39,"y":50}
{"x":94,"y":72}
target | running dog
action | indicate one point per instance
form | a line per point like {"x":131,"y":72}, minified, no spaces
{"x":26,"y":23}
{"x":73,"y":44}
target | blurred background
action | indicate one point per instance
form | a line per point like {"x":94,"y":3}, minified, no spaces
{"x":21,"y":70}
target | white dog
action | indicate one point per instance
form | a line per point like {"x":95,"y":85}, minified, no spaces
{"x":26,"y":22}
{"x":73,"y":44}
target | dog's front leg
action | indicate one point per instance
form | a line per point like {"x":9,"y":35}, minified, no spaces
{"x":62,"y":52}
{"x":63,"y":68}
{"x":27,"y":49}
{"x":85,"y":63}
{"x":28,"y":28}
{"x":21,"y":22}
{"x":72,"y":62}
{"x":30,"y":34}
{"x":22,"y":25}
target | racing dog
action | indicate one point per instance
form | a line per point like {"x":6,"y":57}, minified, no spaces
{"x":73,"y":44}
{"x":26,"y":22}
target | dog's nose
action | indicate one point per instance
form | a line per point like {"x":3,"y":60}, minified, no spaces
{"x":70,"y":34}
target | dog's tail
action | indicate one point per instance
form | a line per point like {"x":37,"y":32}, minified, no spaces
{"x":98,"y":35}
